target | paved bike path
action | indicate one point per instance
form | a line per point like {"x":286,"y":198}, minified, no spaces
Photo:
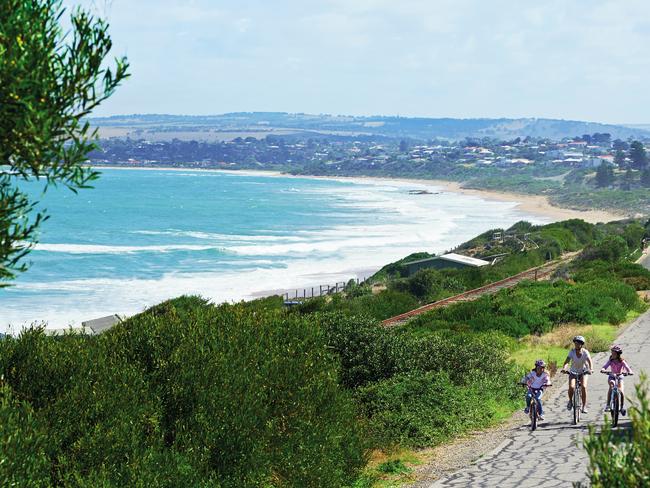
{"x":553,"y":455}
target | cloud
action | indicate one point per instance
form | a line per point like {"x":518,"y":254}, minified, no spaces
{"x":464,"y":58}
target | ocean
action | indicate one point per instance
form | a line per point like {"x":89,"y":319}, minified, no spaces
{"x":142,"y":236}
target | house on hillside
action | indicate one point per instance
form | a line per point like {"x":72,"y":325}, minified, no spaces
{"x":451,"y":260}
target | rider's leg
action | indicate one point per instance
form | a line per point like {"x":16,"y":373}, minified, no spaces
{"x":620,"y":388}
{"x":572,"y":385}
{"x":583,"y":392}
{"x":529,"y":396}
{"x":609,"y":393}
{"x":538,"y":395}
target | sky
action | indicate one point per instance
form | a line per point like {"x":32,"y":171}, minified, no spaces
{"x":576,"y":59}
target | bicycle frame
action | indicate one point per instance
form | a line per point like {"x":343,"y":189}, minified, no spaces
{"x":615,"y":401}
{"x":577,"y":394}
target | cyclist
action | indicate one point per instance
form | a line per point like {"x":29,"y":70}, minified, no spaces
{"x":536,"y":381}
{"x":580,"y":361}
{"x":617,"y":365}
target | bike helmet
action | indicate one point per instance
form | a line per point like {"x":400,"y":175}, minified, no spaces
{"x":617,"y":348}
{"x":540,"y":362}
{"x":579,"y":339}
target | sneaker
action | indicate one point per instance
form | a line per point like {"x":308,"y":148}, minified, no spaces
{"x":608,"y":408}
{"x":584,"y":410}
{"x":623,"y":412}
{"x":526,"y":410}
{"x":569,"y":405}
{"x":540,"y":417}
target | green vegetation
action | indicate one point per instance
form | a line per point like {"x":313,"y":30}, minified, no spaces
{"x":255,"y":394}
{"x":619,"y":459}
{"x":185,"y":394}
{"x":49,"y":82}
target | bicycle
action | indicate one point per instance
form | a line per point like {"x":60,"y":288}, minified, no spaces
{"x":615,"y":397}
{"x":534,"y":408}
{"x":577,"y":394}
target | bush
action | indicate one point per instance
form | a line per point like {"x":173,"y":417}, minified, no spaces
{"x":361,"y":346}
{"x":420,"y":410}
{"x":610,"y":249}
{"x":386,"y":304}
{"x":425,"y":284}
{"x":619,"y":460}
{"x":193,"y":395}
{"x":23,"y":442}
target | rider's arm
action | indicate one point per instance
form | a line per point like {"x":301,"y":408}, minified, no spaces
{"x":626,"y":367}
{"x":605,"y":366}
{"x":566,"y":363}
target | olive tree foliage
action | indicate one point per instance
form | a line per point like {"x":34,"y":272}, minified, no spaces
{"x":50,"y":80}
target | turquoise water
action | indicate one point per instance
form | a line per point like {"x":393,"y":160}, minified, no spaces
{"x":140,"y":237}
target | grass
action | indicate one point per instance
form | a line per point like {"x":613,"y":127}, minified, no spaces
{"x":388,"y":469}
{"x":554,"y":346}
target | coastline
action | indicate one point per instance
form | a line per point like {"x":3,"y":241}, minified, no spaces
{"x":538,"y":205}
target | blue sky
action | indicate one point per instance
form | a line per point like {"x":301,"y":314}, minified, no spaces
{"x":577,"y":59}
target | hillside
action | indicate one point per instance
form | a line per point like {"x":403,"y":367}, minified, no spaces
{"x":189,"y":393}
{"x":262,"y":123}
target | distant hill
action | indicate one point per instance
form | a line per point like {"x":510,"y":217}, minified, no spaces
{"x":260,"y":123}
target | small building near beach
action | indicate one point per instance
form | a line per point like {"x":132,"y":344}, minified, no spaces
{"x":451,"y":260}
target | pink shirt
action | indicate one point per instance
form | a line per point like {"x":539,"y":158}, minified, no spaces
{"x":617,"y":367}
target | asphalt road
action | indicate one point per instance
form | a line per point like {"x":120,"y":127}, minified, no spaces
{"x":553,"y":455}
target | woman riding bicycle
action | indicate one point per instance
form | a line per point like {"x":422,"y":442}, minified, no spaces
{"x":617,"y":367}
{"x":580,"y":361}
{"x":536,"y":381}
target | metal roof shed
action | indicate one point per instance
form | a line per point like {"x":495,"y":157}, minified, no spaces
{"x":451,"y":260}
{"x":101,"y":324}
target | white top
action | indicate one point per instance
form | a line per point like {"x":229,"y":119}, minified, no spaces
{"x":537,"y":382}
{"x":579,"y":364}
{"x":459,"y":258}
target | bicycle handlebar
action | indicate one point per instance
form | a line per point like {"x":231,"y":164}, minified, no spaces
{"x":563,"y":371}
{"x":616,"y":374}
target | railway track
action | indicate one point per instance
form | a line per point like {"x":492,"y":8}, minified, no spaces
{"x":535,"y":274}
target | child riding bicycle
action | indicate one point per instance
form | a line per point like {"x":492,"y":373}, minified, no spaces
{"x":580,"y":361}
{"x":617,"y":368}
{"x":536,"y":381}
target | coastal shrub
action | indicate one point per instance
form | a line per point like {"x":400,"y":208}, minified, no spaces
{"x":621,"y":458}
{"x":386,"y":304}
{"x":361,"y":345}
{"x":254,"y":396}
{"x":610,"y":249}
{"x":23,"y":443}
{"x":425,"y":284}
{"x":274,"y":302}
{"x":633,"y":233}
{"x":464,"y":356}
{"x":189,"y":395}
{"x":420,"y":410}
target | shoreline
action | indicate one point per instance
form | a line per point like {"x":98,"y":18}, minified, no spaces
{"x":538,"y":205}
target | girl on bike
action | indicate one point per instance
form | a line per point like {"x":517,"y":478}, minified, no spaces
{"x":617,"y":365}
{"x":536,"y":381}
{"x":580,"y":361}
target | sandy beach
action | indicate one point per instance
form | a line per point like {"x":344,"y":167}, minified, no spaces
{"x":533,"y":204}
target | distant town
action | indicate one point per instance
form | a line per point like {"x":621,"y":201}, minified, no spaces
{"x":584,"y":172}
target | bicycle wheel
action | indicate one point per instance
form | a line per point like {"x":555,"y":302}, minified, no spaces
{"x":615,"y":406}
{"x":533,"y":414}
{"x":576,"y":404}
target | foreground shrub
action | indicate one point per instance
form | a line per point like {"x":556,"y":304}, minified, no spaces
{"x":621,"y":459}
{"x":22,"y":444}
{"x":420,"y":410}
{"x":193,"y":395}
